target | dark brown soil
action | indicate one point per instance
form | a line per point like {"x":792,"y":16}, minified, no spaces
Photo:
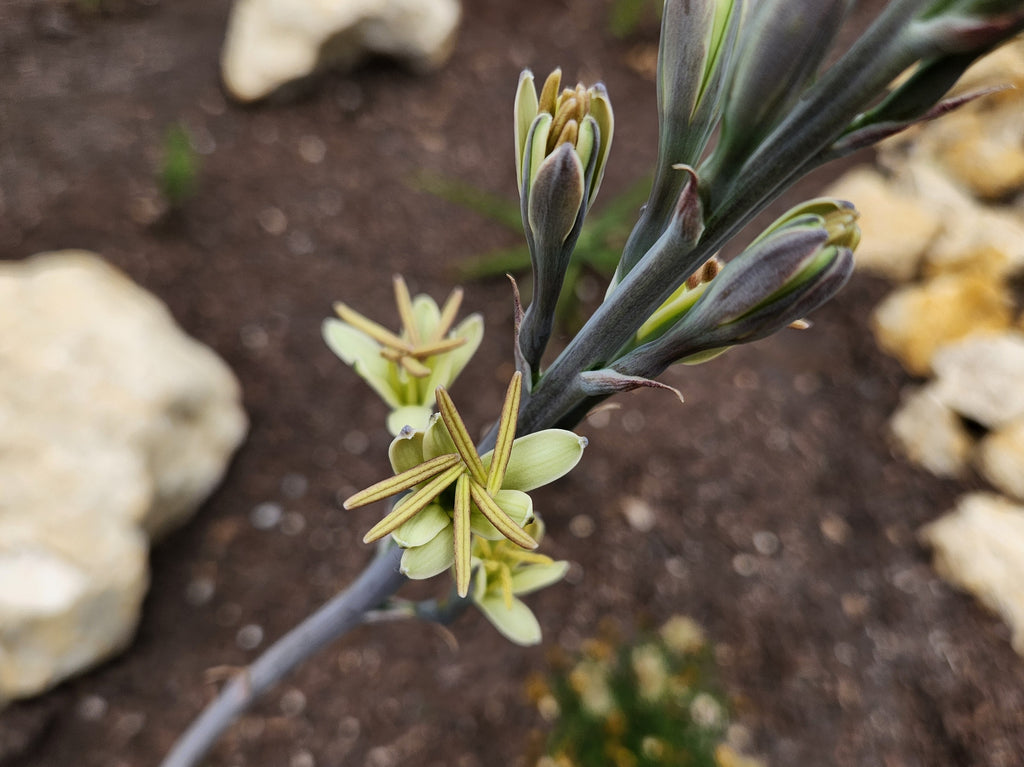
{"x":783,"y":521}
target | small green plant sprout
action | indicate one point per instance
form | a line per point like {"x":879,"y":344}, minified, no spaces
{"x":490,"y":499}
{"x":649,"y":703}
{"x":406,"y":368}
{"x":503,"y":572}
{"x":178,"y":176}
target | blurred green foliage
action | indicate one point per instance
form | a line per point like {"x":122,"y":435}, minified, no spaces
{"x":598,"y":249}
{"x":178,"y":175}
{"x":625,"y":16}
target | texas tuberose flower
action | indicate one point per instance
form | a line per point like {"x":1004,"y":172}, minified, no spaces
{"x":405,"y":368}
{"x":458,"y":493}
{"x":502,"y":573}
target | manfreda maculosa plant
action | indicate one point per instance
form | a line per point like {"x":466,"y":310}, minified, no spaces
{"x":754,"y":74}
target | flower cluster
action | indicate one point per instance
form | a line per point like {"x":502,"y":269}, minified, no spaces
{"x":405,"y":368}
{"x":454,"y":493}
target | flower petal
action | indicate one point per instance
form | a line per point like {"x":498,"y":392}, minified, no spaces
{"x":516,"y":623}
{"x":423,"y":528}
{"x":540,"y":458}
{"x":406,"y":450}
{"x":436,"y":440}
{"x":526,"y":580}
{"x":432,"y":558}
{"x":426,"y":314}
{"x":415,"y":416}
{"x":360,"y":351}
{"x":472,"y":329}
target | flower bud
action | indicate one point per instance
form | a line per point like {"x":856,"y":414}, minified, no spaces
{"x":782,"y":44}
{"x":697,"y":44}
{"x":562,"y":141}
{"x":796,"y":265}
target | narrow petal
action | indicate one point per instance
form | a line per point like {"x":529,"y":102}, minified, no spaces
{"x":360,"y":351}
{"x":517,"y":504}
{"x":497,"y":517}
{"x":472,"y":329}
{"x":413,"y":417}
{"x":407,"y":479}
{"x":526,"y":580}
{"x":460,"y":435}
{"x":422,"y":528}
{"x":540,"y":458}
{"x":427,"y":317}
{"x":516,"y":623}
{"x":506,"y":434}
{"x":430,"y":559}
{"x":463,"y":548}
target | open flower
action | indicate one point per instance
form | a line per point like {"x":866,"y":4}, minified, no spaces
{"x":490,"y":498}
{"x":405,"y":368}
{"x":504,"y":572}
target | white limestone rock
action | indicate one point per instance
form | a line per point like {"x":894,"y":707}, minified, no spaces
{"x":931,"y":435}
{"x":273,"y":42}
{"x":979,"y":547}
{"x":1000,"y":459}
{"x":114,"y":426}
{"x":982,"y":377}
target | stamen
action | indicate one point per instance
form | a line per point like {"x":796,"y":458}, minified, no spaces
{"x":448,"y":314}
{"x":460,"y":436}
{"x":497,"y":517}
{"x":463,"y":549}
{"x":409,"y":507}
{"x":400,"y":482}
{"x":505,"y":574}
{"x":549,"y":93}
{"x":404,"y":303}
{"x":506,"y":434}
{"x":378,"y":333}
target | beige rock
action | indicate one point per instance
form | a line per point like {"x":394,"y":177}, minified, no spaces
{"x":973,"y":237}
{"x":914,"y":321}
{"x":979,"y":547}
{"x":272,"y":42}
{"x":982,"y":377}
{"x":114,"y":426}
{"x":896,"y":228}
{"x":931,"y":435}
{"x":1000,"y":459}
{"x":981,"y":148}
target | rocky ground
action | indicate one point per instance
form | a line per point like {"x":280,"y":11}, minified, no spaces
{"x":772,"y":508}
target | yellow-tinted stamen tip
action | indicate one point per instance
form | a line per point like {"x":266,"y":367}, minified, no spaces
{"x":505,"y":573}
{"x":459,"y":434}
{"x":400,"y":482}
{"x":549,"y":93}
{"x":404,"y":303}
{"x":448,"y":314}
{"x":506,"y":434}
{"x":377,"y":332}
